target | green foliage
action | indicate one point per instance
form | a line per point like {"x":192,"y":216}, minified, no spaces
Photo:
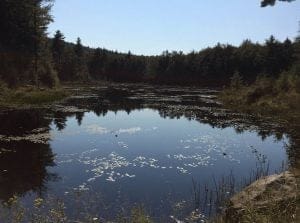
{"x":57,"y":47}
{"x":46,"y":73}
{"x":27,"y":17}
{"x":96,"y":64}
{"x":23,"y":41}
{"x":215,"y":66}
{"x":33,"y":58}
{"x":80,"y":65}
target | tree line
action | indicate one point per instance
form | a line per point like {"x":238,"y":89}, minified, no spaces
{"x":28,"y":55}
{"x":210,"y":66}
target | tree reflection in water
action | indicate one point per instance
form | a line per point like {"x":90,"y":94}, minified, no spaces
{"x":24,"y":164}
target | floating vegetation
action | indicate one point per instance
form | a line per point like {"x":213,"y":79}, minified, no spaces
{"x":182,"y":170}
{"x":141,"y":147}
{"x":41,"y":138}
{"x":213,"y":145}
{"x":105,"y":166}
{"x":197,"y":151}
{"x":82,"y":187}
{"x":112,"y":167}
{"x":123,"y":145}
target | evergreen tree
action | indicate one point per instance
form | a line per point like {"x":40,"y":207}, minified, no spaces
{"x":58,"y":46}
{"x":40,"y":20}
{"x":80,"y":66}
{"x":46,"y":73}
{"x":272,"y":56}
{"x":96,"y":64}
{"x":68,"y":65}
{"x":23,"y":37}
{"x":296,"y":54}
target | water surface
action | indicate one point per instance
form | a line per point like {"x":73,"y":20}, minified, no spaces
{"x":134,"y":149}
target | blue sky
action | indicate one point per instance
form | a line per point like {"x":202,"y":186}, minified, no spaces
{"x":151,"y":26}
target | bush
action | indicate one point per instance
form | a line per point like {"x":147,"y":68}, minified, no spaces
{"x":48,"y":76}
{"x":236,"y":81}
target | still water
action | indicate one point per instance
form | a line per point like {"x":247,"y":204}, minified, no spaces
{"x":125,"y":157}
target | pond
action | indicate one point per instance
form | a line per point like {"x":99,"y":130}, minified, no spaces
{"x":167,"y":149}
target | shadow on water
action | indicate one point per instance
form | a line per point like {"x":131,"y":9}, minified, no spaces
{"x":26,"y":155}
{"x":23,"y":157}
{"x":24,"y":168}
{"x":18,"y":122}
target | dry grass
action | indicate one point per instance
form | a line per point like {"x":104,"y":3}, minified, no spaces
{"x":280,"y":95}
{"x":29,"y":95}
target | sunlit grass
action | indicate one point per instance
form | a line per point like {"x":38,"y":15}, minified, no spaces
{"x":281,"y":95}
{"x":30,"y":95}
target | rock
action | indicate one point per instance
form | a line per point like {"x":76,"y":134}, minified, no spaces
{"x":263,"y":193}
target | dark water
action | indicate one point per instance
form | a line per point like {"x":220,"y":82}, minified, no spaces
{"x":127,"y":145}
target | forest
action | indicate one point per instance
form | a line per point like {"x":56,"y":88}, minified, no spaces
{"x":29,"y":56}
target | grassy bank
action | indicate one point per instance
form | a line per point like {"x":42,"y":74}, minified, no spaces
{"x":280,"y":99}
{"x":279,"y":96}
{"x":29,"y":96}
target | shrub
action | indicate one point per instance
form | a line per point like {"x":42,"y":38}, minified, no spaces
{"x":236,"y":81}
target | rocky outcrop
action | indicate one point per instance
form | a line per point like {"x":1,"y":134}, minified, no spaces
{"x":278,"y":190}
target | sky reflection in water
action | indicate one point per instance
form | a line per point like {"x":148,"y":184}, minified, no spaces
{"x":143,"y":158}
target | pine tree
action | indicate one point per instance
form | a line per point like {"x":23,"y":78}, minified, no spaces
{"x":81,"y":69}
{"x":23,"y":25}
{"x":96,"y":64}
{"x":41,"y":19}
{"x":58,"y":46}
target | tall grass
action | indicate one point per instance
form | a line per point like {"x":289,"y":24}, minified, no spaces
{"x":29,"y":95}
{"x":279,"y":95}
{"x":274,"y":204}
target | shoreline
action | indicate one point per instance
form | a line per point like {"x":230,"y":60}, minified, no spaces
{"x":273,"y":198}
{"x":270,"y":198}
{"x":66,"y":91}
